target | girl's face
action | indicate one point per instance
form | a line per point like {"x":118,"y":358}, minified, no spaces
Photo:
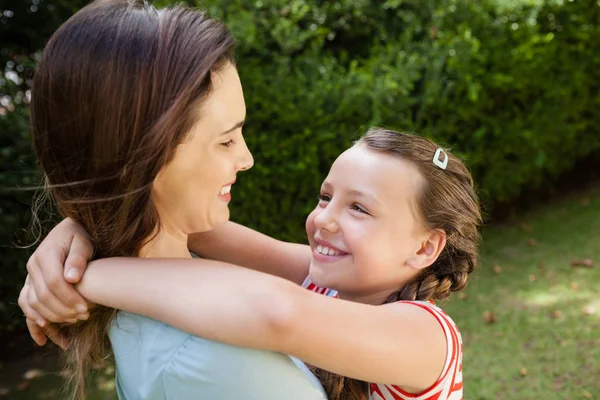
{"x":192,"y":192}
{"x":365,"y":236}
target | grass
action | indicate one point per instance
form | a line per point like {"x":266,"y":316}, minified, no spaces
{"x":529,"y":319}
{"x":544,"y":342}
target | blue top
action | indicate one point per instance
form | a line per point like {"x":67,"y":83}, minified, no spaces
{"x":155,"y":361}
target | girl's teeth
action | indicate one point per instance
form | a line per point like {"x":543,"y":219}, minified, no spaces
{"x":325,"y":250}
{"x":225,"y":190}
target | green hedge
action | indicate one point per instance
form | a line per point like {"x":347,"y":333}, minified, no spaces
{"x":510,"y":85}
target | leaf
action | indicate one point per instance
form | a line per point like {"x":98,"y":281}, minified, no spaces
{"x":585,"y":201}
{"x":574,"y":286}
{"x":532,"y":242}
{"x":556,"y":314}
{"x":462,"y":296}
{"x":33,"y":374}
{"x":532,"y":278}
{"x":497,"y":269}
{"x":584,"y":262}
{"x":589,"y":310}
{"x":23,"y":385}
{"x":489,"y":317}
{"x":587,"y":394}
{"x":4,"y":391}
{"x":50,"y":394}
{"x":526,"y":227}
{"x":524,"y":372}
{"x":542,"y":266}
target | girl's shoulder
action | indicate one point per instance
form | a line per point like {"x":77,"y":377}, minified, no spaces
{"x":429,"y":306}
{"x":443,"y":318}
{"x":449,"y":384}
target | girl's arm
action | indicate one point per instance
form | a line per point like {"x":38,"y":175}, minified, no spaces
{"x":395,"y":344}
{"x":239,"y":245}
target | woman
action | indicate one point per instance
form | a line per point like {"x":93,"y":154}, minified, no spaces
{"x":137,"y":118}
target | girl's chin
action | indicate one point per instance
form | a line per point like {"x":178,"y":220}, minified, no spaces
{"x":319,"y":275}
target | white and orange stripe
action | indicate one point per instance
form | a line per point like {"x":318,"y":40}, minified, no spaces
{"x":449,"y":386}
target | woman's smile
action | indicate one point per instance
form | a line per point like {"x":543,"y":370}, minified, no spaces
{"x":225,"y":192}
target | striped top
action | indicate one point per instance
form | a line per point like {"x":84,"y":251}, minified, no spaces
{"x":449,"y":386}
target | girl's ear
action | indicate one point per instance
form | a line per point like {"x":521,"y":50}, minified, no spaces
{"x":429,"y":250}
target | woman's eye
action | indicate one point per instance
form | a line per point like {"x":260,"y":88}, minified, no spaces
{"x":358,"y":208}
{"x":228,"y":143}
{"x":324,"y":197}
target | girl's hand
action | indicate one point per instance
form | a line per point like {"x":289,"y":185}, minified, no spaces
{"x":48,"y":294}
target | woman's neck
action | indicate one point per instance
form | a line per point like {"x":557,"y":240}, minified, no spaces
{"x":166,"y":244}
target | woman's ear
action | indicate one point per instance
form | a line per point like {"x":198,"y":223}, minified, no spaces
{"x":429,"y":251}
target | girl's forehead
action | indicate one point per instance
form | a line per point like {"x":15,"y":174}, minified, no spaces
{"x":388,"y":176}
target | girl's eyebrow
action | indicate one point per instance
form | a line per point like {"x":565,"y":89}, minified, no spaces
{"x":358,"y":193}
{"x":354,"y":192}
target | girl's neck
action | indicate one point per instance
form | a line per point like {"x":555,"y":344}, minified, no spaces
{"x":375,"y":299}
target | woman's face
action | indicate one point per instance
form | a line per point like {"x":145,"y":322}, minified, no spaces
{"x":192,"y":192}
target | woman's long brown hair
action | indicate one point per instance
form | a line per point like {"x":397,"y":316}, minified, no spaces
{"x":448,"y":201}
{"x":116,"y":90}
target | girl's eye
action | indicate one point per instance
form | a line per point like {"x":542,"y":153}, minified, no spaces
{"x":228,"y":143}
{"x":324,"y":197}
{"x":358,"y":208}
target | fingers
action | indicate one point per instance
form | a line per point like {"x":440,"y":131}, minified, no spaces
{"x":52,"y":291}
{"x":49,"y":308}
{"x":38,"y":327}
{"x":29,"y":312}
{"x":36,"y":332}
{"x":79,"y":254}
{"x":48,"y":295}
{"x":57,"y":338}
{"x":40,"y":335}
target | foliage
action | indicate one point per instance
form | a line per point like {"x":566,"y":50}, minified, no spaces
{"x":511,"y":89}
{"x":25,"y":26}
{"x":509,"y":85}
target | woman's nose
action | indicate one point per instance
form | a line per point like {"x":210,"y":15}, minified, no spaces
{"x":245,"y":160}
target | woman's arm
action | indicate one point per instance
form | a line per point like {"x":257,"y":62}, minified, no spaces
{"x":239,"y":245}
{"x":398,"y":344}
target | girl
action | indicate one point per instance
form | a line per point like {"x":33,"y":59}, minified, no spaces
{"x":395,"y":229}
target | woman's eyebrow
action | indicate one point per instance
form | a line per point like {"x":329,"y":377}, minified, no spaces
{"x":233,"y":128}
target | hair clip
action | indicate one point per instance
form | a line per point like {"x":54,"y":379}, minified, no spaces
{"x":438,"y":161}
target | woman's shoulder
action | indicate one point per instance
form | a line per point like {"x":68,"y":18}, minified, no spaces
{"x":150,"y":353}
{"x":142,"y":348}
{"x":207,"y":367}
